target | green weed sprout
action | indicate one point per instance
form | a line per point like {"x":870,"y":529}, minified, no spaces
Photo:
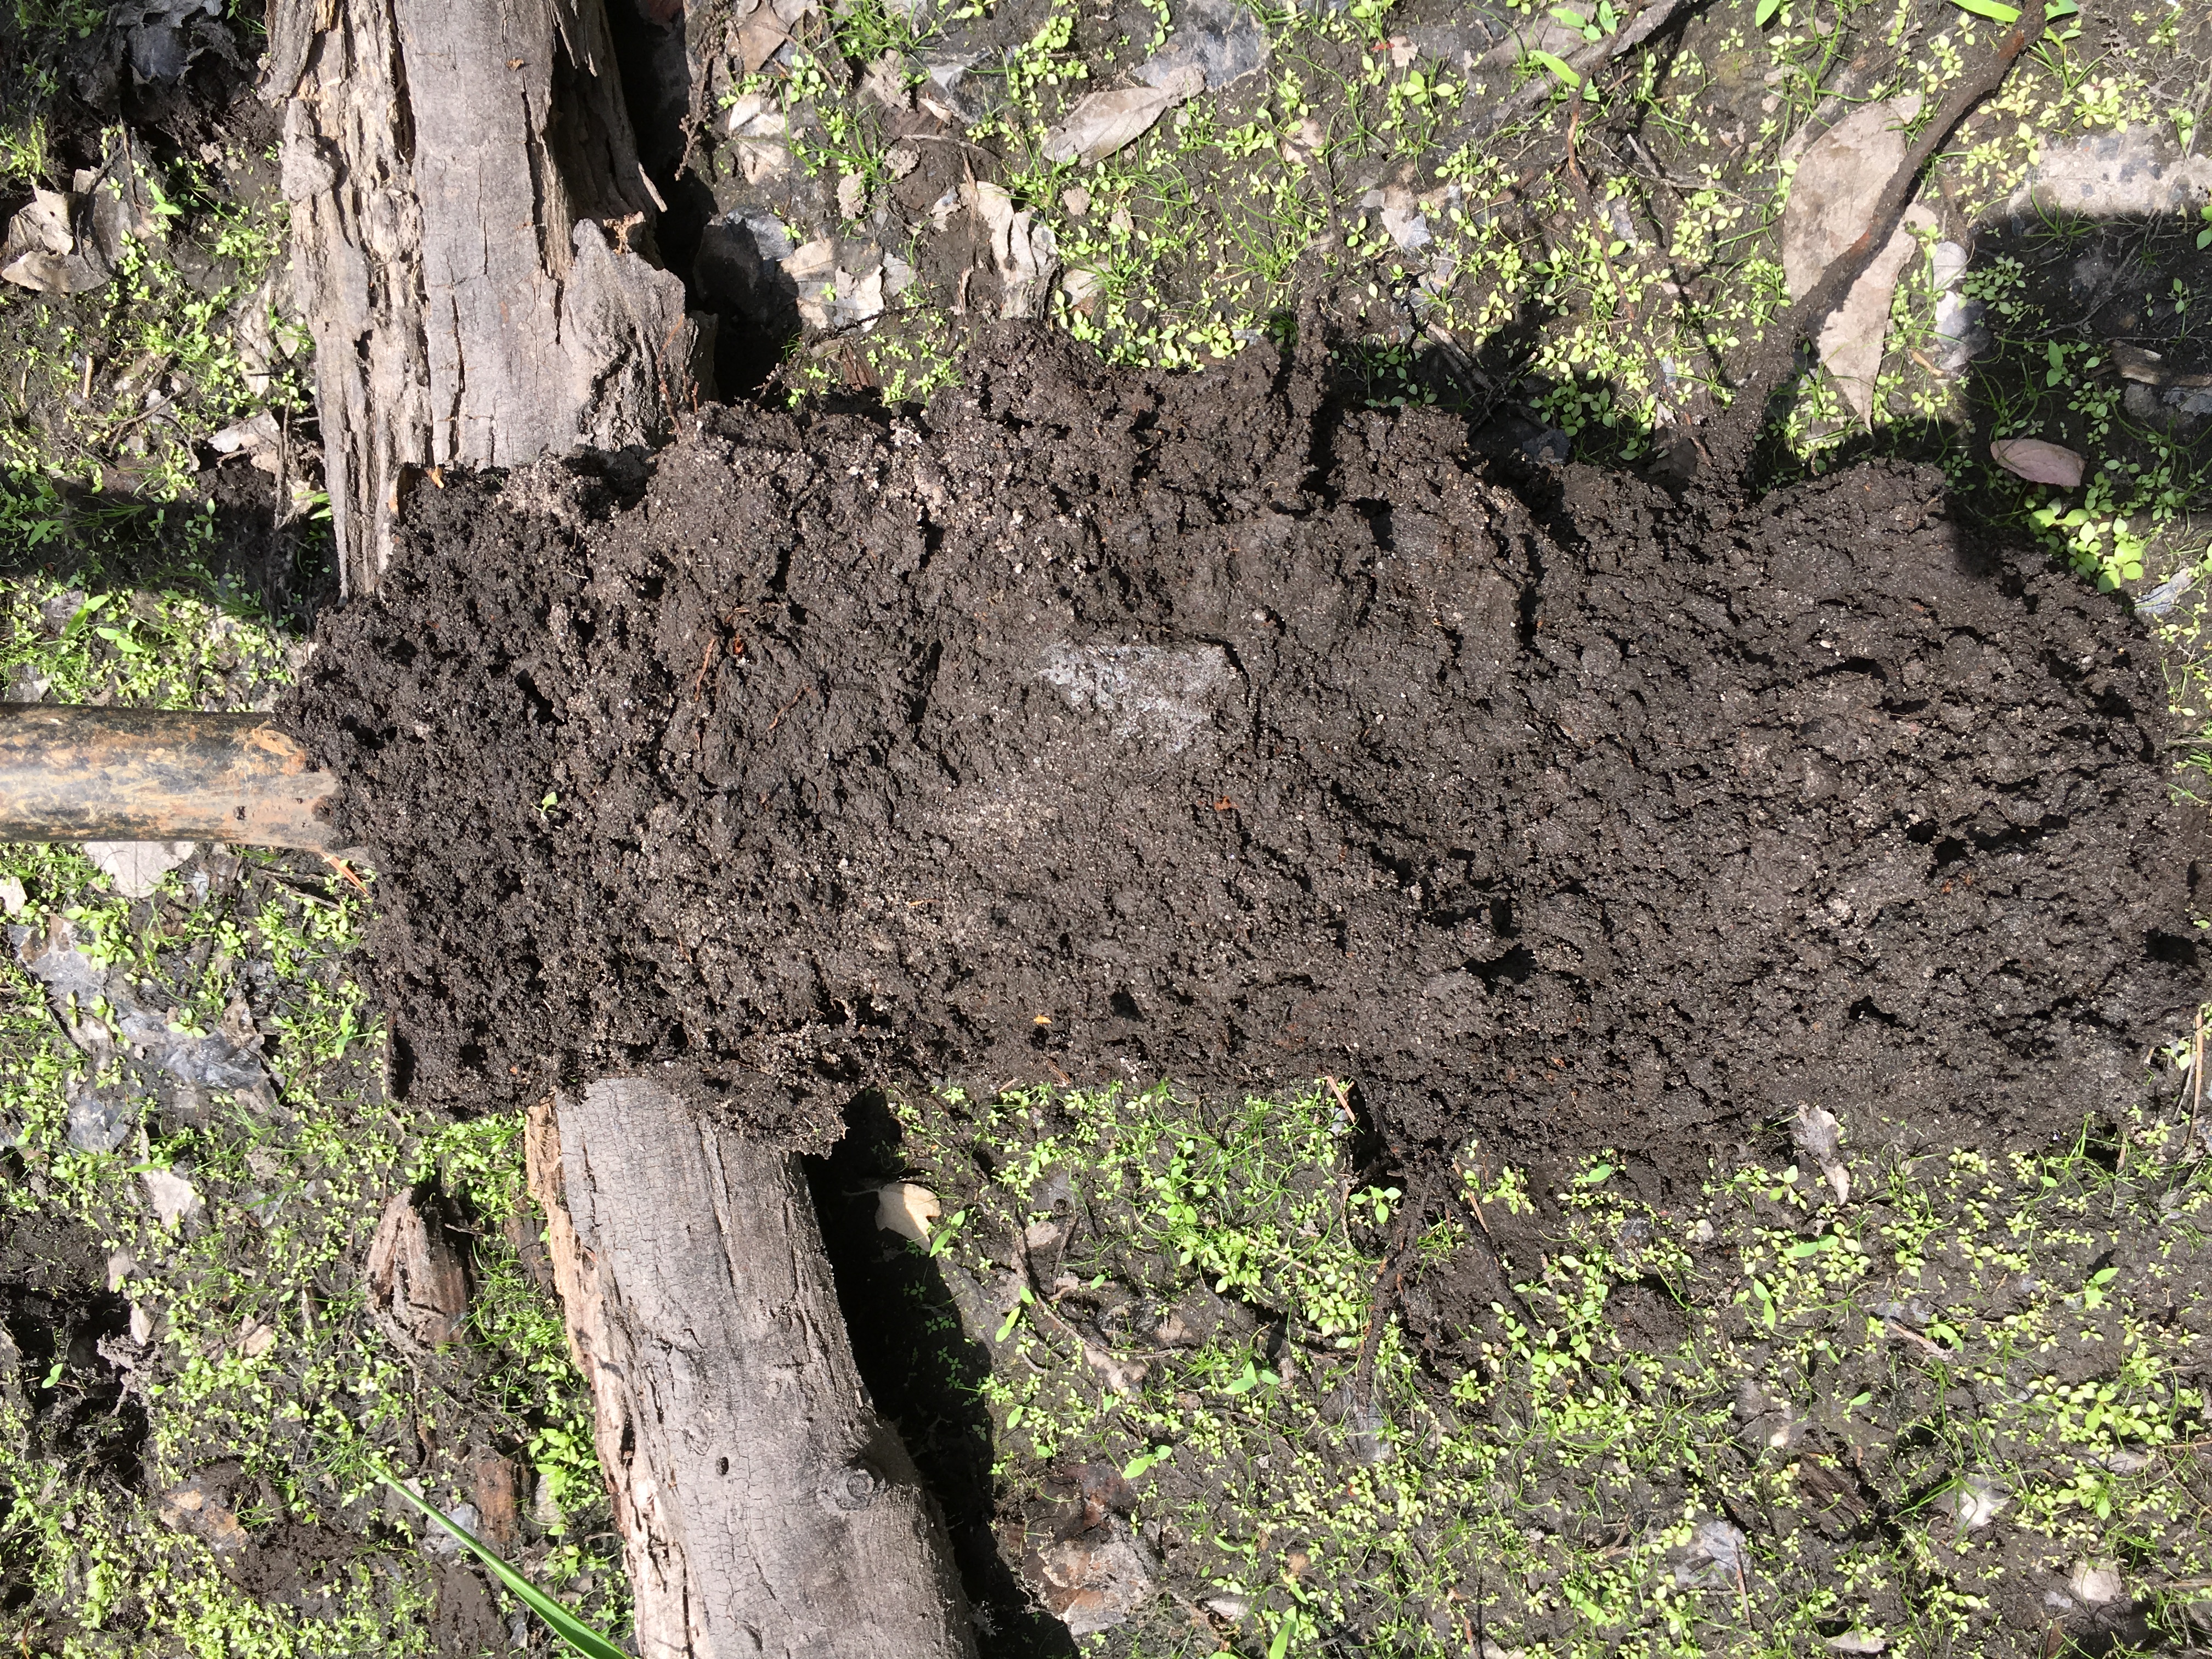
{"x":581,"y":1637}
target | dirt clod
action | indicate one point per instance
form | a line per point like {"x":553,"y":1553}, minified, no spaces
{"x":1101,"y":727}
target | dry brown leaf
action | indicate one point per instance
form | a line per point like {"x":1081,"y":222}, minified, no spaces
{"x":759,"y":37}
{"x":2038,"y":462}
{"x":1101,"y":123}
{"x":907,"y":1209}
{"x":1852,"y":338}
{"x":1026,"y":254}
{"x":886,"y":82}
{"x":1839,"y":178}
{"x":41,"y":226}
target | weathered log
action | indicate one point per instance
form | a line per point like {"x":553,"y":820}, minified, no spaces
{"x":764,"y":1507}
{"x":465,"y":191}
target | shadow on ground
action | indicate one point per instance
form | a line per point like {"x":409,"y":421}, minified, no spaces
{"x":925,"y":1374}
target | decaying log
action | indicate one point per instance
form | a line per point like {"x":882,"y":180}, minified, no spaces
{"x":465,"y":191}
{"x":763,"y":1505}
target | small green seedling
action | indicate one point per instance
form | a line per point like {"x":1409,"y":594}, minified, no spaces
{"x":1144,"y":1459}
{"x":580,"y":1636}
{"x":1014,"y":1314}
{"x":1557,"y":68}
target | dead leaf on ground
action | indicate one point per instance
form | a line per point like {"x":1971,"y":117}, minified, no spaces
{"x":200,"y":1507}
{"x":53,"y":273}
{"x":1026,"y":254}
{"x":886,"y":82}
{"x":1853,"y":337}
{"x":758,"y":35}
{"x":1118,"y":1373}
{"x":1101,"y":123}
{"x":2038,"y":462}
{"x":1974,"y":1501}
{"x":1820,"y":1137}
{"x":1092,"y":1585}
{"x":42,"y":225}
{"x":2096,"y":1582}
{"x":1838,"y":180}
{"x":906,"y":1208}
{"x":136,"y":867}
{"x":171,"y":1197}
{"x":418,"y":1288}
{"x":253,"y":436}
{"x":42,"y":251}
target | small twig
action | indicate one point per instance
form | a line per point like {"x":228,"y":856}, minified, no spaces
{"x":346,"y":870}
{"x":1471,"y":1194}
{"x":785,"y":709}
{"x":1343,"y":1101}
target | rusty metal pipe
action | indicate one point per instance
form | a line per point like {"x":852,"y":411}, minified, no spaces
{"x":153,"y":775}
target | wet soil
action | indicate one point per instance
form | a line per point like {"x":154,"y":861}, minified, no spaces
{"x":1097,"y":728}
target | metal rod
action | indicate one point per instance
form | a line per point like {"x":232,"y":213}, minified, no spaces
{"x":155,"y":775}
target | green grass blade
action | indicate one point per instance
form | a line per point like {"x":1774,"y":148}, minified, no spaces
{"x":1996,"y":10}
{"x":564,"y":1624}
{"x":1558,"y":67}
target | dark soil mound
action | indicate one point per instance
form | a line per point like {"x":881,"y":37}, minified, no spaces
{"x":1107,"y":727}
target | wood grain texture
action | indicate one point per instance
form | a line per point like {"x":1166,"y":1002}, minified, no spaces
{"x":766,"y":1508}
{"x":465,"y":193}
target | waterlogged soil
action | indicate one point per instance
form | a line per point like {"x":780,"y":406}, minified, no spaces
{"x":1096,"y":727}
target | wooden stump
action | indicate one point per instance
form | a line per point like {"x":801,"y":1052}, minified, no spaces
{"x":465,"y":198}
{"x":764,"y":1507}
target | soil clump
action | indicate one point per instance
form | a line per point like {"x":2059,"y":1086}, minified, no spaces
{"x":1099,"y":728}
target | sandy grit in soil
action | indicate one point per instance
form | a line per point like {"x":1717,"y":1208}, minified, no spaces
{"x":1104,"y":728}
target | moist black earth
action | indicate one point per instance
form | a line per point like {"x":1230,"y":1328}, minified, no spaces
{"x":1096,"y":727}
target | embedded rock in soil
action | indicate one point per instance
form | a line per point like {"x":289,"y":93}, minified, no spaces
{"x":1101,"y":727}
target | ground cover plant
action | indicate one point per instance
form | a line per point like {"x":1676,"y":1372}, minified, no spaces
{"x":1660,"y":1437}
{"x":1931,"y":1401}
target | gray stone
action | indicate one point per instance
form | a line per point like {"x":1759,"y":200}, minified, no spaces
{"x":100,"y":1121}
{"x":1218,"y":38}
{"x":2135,"y":172}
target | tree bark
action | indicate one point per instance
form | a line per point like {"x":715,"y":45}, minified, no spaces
{"x":764,"y":1506}
{"x":466,"y":193}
